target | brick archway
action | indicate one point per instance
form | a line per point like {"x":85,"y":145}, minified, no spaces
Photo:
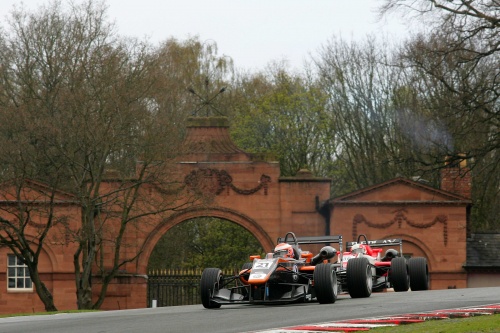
{"x":218,"y":212}
{"x":239,"y":187}
{"x":244,"y":188}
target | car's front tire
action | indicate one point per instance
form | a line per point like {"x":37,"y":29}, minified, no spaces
{"x":209,"y":284}
{"x":359,"y":277}
{"x":325,"y":283}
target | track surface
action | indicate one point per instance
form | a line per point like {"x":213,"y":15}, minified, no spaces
{"x":251,"y":318}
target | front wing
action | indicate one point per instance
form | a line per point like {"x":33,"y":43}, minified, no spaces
{"x":281,"y":285}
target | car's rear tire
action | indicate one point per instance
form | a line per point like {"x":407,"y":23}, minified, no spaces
{"x":399,"y":274}
{"x":325,"y":283}
{"x":359,"y":277}
{"x":209,"y":283}
{"x":419,"y":273}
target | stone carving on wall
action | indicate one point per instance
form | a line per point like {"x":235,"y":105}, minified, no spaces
{"x":400,"y":218}
{"x":214,"y":182}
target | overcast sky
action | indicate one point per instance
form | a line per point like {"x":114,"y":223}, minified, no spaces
{"x":252,"y":32}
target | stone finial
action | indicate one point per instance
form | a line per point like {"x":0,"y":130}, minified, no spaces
{"x":304,"y":173}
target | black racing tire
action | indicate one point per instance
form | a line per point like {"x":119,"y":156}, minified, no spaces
{"x":209,"y":283}
{"x":359,"y":277}
{"x":419,"y":273}
{"x":325,"y":283}
{"x":399,"y":274}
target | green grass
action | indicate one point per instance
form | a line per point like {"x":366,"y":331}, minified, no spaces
{"x":43,"y":313}
{"x":478,"y":324}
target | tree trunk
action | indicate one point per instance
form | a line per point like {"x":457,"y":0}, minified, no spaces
{"x":43,"y":293}
{"x":84,"y":298}
{"x":83,"y":278}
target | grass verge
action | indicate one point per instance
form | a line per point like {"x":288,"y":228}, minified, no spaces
{"x":477,"y":324}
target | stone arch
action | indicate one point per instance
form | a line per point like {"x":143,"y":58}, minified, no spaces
{"x":219,"y":212}
{"x":51,"y":261}
{"x":47,"y":259}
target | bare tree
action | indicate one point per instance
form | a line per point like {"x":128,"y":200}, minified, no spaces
{"x":460,"y":20}
{"x":76,"y":101}
{"x":459,"y":59}
{"x":462,"y":97}
{"x":27,"y":221}
{"x":27,"y":217}
{"x":363,"y":83}
{"x":455,"y":69}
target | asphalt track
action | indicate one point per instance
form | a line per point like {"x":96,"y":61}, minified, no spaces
{"x":251,"y":318}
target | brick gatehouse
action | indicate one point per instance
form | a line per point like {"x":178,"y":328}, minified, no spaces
{"x":248,"y":190}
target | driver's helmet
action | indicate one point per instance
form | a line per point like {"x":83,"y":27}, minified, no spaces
{"x":358,"y":248}
{"x":283,"y":250}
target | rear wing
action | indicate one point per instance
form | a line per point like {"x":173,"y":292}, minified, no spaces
{"x":317,"y":240}
{"x":380,"y":243}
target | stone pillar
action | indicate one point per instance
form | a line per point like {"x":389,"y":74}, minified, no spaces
{"x":456,"y":177}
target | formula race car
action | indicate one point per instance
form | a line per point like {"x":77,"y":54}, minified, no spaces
{"x":364,"y":269}
{"x":285,"y":276}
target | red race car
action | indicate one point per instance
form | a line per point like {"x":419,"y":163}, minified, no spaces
{"x":365,"y":268}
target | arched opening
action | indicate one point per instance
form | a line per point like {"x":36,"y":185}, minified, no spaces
{"x":226,"y":214}
{"x":202,"y":242}
{"x":180,"y":255}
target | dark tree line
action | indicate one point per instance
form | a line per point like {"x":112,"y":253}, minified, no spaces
{"x":204,"y":242}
